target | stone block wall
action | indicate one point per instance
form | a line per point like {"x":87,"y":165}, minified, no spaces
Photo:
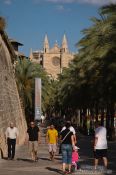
{"x":10,"y":107}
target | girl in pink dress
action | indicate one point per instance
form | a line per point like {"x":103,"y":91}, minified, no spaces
{"x":75,"y":158}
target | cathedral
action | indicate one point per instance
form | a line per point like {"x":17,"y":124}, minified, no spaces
{"x":54,"y":59}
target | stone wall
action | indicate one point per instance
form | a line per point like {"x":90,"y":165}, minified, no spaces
{"x":10,"y":108}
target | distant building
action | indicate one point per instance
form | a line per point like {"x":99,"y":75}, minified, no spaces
{"x":15,"y":45}
{"x":53,"y":59}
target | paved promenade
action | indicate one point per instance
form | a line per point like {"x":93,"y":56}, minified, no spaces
{"x":22,"y":165}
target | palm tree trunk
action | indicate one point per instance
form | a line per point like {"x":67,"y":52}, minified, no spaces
{"x":112,"y":129}
{"x":102,"y":117}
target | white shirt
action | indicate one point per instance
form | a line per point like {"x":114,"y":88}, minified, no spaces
{"x":71,"y":129}
{"x":12,"y":133}
{"x":42,"y":117}
{"x":101,"y":134}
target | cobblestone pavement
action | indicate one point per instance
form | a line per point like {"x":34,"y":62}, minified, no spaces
{"x":22,"y":165}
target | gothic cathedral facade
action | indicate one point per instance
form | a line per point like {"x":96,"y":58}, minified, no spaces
{"x":53,"y":60}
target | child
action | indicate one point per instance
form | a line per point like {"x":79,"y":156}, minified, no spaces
{"x":75,"y":158}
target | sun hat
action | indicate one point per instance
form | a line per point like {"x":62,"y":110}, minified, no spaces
{"x":76,"y":148}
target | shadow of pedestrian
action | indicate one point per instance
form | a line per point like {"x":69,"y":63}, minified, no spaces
{"x":57,"y":158}
{"x":5,"y":158}
{"x":44,"y":158}
{"x":27,"y":160}
{"x":54,"y":170}
{"x":1,"y":153}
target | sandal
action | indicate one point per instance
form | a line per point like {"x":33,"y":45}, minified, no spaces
{"x":69,"y":172}
{"x":64,"y":172}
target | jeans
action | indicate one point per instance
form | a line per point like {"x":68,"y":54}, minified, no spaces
{"x":66,"y":153}
{"x":11,"y":147}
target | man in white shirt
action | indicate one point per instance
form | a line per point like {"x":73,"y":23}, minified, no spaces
{"x":72,"y":130}
{"x":42,"y":118}
{"x":100,"y":144}
{"x":11,"y":135}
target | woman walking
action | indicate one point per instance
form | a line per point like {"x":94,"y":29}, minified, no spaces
{"x":67,"y":140}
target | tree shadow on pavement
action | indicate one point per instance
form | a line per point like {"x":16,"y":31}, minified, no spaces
{"x":54,"y":170}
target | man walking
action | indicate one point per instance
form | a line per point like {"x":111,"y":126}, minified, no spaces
{"x":11,"y":135}
{"x":52,"y":140}
{"x":33,"y":137}
{"x":100,"y":145}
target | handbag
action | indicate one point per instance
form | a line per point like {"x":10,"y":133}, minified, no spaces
{"x":60,"y":151}
{"x":65,"y":136}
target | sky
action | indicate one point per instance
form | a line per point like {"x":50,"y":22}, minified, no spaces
{"x":29,"y":20}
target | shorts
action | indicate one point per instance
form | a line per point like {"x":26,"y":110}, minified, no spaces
{"x":66,"y":153}
{"x":52,"y":148}
{"x":33,"y":146}
{"x":100,"y":153}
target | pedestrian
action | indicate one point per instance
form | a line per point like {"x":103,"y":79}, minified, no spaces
{"x":75,"y":158}
{"x":71,"y":128}
{"x":33,"y":138}
{"x":42,"y":118}
{"x":67,"y":140}
{"x":52,"y":140}
{"x":100,"y":145}
{"x":11,"y":137}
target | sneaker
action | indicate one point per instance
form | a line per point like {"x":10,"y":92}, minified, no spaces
{"x":12,"y":159}
{"x":36,"y":159}
{"x":8,"y":158}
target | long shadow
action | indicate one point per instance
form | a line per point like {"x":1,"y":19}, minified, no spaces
{"x":42,"y":158}
{"x":29,"y":160}
{"x":58,"y":158}
{"x":54,"y":170}
{"x":26,"y":160}
{"x":1,"y":152}
{"x":59,"y":155}
{"x":20,"y":159}
{"x":5,"y":158}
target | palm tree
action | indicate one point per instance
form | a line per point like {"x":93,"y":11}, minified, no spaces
{"x":90,"y":80}
{"x":25,"y":73}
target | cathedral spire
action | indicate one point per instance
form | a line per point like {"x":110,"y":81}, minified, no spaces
{"x":64,"y":44}
{"x":46,"y":44}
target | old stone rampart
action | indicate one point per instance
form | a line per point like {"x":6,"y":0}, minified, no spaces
{"x":10,"y":107}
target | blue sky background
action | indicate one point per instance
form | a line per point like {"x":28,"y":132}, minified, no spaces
{"x":29,"y":20}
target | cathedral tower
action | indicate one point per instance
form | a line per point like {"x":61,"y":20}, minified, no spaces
{"x":64,"y":46}
{"x":53,"y":59}
{"x":46,"y":44}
